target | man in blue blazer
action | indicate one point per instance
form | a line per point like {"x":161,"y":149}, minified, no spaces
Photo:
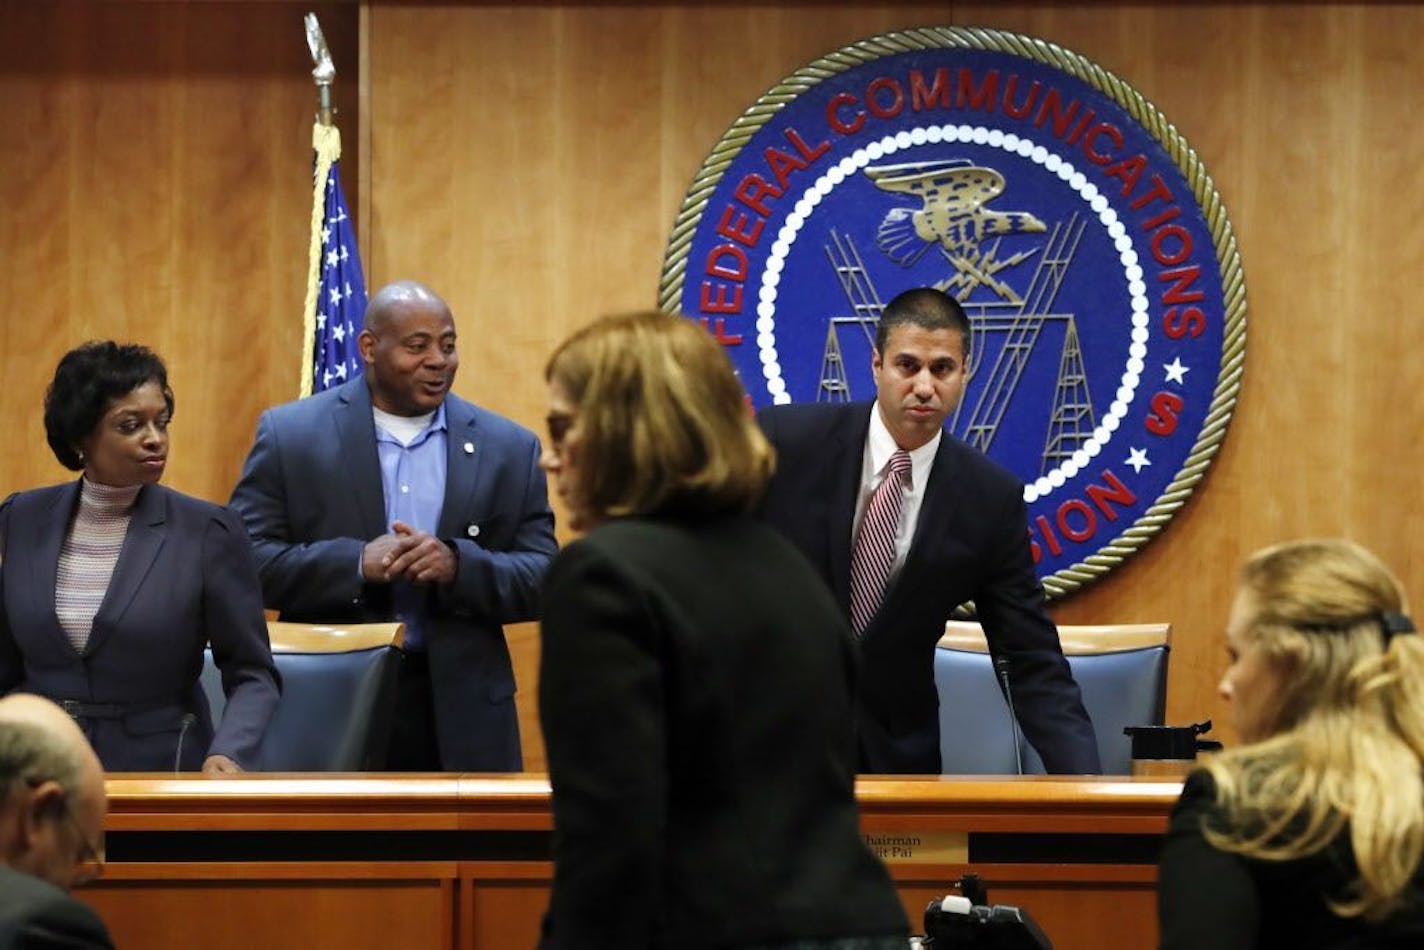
{"x":960,"y":534}
{"x":390,"y":497}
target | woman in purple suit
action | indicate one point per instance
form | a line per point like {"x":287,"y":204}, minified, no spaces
{"x":112,"y":585}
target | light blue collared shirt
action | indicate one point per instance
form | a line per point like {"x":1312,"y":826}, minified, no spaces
{"x":413,"y":482}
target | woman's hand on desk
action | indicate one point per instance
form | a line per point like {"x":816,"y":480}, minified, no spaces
{"x":220,"y":765}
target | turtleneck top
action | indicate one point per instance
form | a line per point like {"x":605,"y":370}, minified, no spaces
{"x":88,"y":555}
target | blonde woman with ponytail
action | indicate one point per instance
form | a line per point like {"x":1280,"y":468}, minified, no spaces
{"x":1311,"y":833}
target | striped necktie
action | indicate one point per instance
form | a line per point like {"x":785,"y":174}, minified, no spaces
{"x":874,"y":551}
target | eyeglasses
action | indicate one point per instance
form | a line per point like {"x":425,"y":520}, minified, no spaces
{"x":89,"y":860}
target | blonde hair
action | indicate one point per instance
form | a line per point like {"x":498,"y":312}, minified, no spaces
{"x":1347,"y":730}
{"x":663,"y":424}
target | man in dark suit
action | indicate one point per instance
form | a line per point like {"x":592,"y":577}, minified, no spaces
{"x":899,"y":561}
{"x":390,"y":497}
{"x":52,"y":807}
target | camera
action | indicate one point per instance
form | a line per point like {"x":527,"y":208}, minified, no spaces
{"x":966,"y":921}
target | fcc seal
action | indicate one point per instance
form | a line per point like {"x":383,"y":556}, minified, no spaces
{"x":1074,"y":224}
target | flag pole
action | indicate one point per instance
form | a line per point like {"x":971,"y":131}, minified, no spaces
{"x":326,"y":141}
{"x":323,"y":72}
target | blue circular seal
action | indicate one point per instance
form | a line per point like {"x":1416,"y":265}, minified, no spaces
{"x":1078,"y":229}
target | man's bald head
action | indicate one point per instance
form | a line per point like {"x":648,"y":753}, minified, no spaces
{"x":52,"y":801}
{"x":396,"y":296}
{"x":41,"y":712}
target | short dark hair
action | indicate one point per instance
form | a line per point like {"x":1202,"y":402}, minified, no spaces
{"x":86,"y":380}
{"x":923,"y":307}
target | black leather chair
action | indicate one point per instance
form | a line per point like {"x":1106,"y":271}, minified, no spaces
{"x":1121,"y":670}
{"x":338,"y":695}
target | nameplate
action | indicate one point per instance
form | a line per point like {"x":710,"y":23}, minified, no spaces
{"x":920,"y":847}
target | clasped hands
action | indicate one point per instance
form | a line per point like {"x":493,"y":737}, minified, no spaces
{"x":408,"y":555}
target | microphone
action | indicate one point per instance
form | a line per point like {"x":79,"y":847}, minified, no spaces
{"x":188,"y":720}
{"x":1001,"y":666}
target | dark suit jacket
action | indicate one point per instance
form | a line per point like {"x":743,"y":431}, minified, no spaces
{"x":696,"y":698}
{"x":184,"y":579}
{"x":1216,"y":899}
{"x":971,"y":543}
{"x":311,"y":497}
{"x":36,"y":915}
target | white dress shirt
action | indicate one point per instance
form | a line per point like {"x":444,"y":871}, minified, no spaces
{"x":879,"y":446}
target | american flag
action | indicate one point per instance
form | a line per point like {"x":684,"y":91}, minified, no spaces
{"x":341,"y":294}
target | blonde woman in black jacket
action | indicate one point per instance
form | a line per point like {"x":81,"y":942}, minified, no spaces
{"x":1311,"y":834}
{"x":697,"y":677}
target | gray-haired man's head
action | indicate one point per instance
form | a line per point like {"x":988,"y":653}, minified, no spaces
{"x":52,"y":801}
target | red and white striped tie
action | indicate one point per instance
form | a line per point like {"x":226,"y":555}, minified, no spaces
{"x":874,"y":551}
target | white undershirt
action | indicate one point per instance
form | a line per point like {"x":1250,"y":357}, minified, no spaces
{"x":403,"y":429}
{"x":879,"y":446}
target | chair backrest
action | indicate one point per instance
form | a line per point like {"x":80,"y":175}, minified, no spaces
{"x":338,"y":693}
{"x":1120,"y":669}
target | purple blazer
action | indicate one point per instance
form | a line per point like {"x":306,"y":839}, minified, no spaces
{"x":185,"y":579}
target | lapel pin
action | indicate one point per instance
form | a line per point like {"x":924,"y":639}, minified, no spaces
{"x":469,"y":448}
{"x":473,"y":531}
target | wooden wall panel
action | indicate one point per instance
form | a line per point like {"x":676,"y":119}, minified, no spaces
{"x":156,"y":184}
{"x":527,"y":161}
{"x":503,"y":904}
{"x":292,"y":905}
